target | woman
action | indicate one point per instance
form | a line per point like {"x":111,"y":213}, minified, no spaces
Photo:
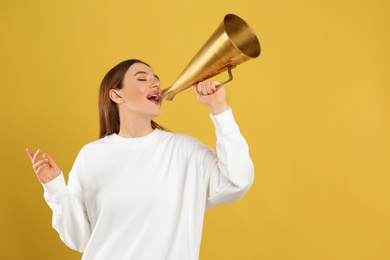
{"x":140,"y":192}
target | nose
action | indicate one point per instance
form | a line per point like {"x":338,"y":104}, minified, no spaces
{"x":156,"y":84}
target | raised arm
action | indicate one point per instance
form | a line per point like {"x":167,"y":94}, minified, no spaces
{"x":229,"y":174}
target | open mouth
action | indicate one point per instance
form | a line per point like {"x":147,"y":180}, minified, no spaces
{"x":155,"y":97}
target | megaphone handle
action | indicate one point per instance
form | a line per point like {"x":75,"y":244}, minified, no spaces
{"x":230,"y":76}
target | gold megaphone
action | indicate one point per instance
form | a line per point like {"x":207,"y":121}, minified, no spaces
{"x":232,"y":43}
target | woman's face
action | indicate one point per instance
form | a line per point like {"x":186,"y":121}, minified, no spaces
{"x":141,"y":93}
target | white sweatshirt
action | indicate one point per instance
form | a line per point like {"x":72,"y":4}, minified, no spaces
{"x":145,"y":198}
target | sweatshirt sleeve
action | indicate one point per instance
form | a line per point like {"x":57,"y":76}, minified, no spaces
{"x":70,"y":218}
{"x":229,"y":173}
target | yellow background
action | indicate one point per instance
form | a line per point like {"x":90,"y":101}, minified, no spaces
{"x":314,"y":108}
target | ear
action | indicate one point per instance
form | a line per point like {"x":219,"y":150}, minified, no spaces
{"x":115,"y":96}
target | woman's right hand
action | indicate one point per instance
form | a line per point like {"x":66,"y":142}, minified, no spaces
{"x":46,"y":169}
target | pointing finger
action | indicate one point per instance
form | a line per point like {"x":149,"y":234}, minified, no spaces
{"x":30,"y":153}
{"x":199,"y":88}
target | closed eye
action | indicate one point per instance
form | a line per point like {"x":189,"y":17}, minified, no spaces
{"x":145,"y":73}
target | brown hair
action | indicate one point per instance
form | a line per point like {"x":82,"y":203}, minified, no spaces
{"x":108,"y":110}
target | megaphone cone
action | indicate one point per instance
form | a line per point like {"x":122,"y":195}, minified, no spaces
{"x":232,"y":43}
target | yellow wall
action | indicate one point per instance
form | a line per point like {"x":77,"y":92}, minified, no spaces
{"x":314,"y":109}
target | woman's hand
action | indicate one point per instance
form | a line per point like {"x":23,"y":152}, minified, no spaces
{"x":212,"y":96}
{"x":46,"y":169}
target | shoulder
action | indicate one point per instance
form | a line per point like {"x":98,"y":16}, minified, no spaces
{"x":95,"y":146}
{"x":184,"y":144}
{"x":178,"y":138}
{"x":98,"y":143}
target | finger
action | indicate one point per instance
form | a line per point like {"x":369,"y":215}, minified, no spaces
{"x":199,"y":88}
{"x":39,"y":164}
{"x":40,"y":169}
{"x":220,"y":87}
{"x":50,"y":160}
{"x":203,"y":89}
{"x":195,"y":89}
{"x":30,"y":153}
{"x":209,"y":88}
{"x":36,"y":156}
{"x":215,"y":86}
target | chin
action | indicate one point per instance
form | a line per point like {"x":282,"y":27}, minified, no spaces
{"x":157,"y":113}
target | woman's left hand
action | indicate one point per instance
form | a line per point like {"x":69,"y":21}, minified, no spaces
{"x":212,"y":96}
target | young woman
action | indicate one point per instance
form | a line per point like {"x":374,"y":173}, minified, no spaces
{"x":140,"y":192}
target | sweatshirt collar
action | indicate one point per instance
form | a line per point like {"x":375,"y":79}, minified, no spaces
{"x":134,"y":142}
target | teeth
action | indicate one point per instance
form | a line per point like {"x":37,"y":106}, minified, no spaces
{"x":154,"y":97}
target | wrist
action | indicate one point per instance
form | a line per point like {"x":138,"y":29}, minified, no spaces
{"x":217,"y":109}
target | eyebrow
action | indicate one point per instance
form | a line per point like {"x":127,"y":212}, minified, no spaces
{"x":144,"y":72}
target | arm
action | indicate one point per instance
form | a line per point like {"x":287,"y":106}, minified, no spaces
{"x":231,"y":176}
{"x":69,"y":214}
{"x":228,"y":174}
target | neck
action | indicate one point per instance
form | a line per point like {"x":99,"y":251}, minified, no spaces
{"x":134,"y":127}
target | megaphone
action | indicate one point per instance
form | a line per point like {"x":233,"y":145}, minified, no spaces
{"x":232,"y":43}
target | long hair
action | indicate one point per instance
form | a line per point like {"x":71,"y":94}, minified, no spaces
{"x":108,"y":110}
